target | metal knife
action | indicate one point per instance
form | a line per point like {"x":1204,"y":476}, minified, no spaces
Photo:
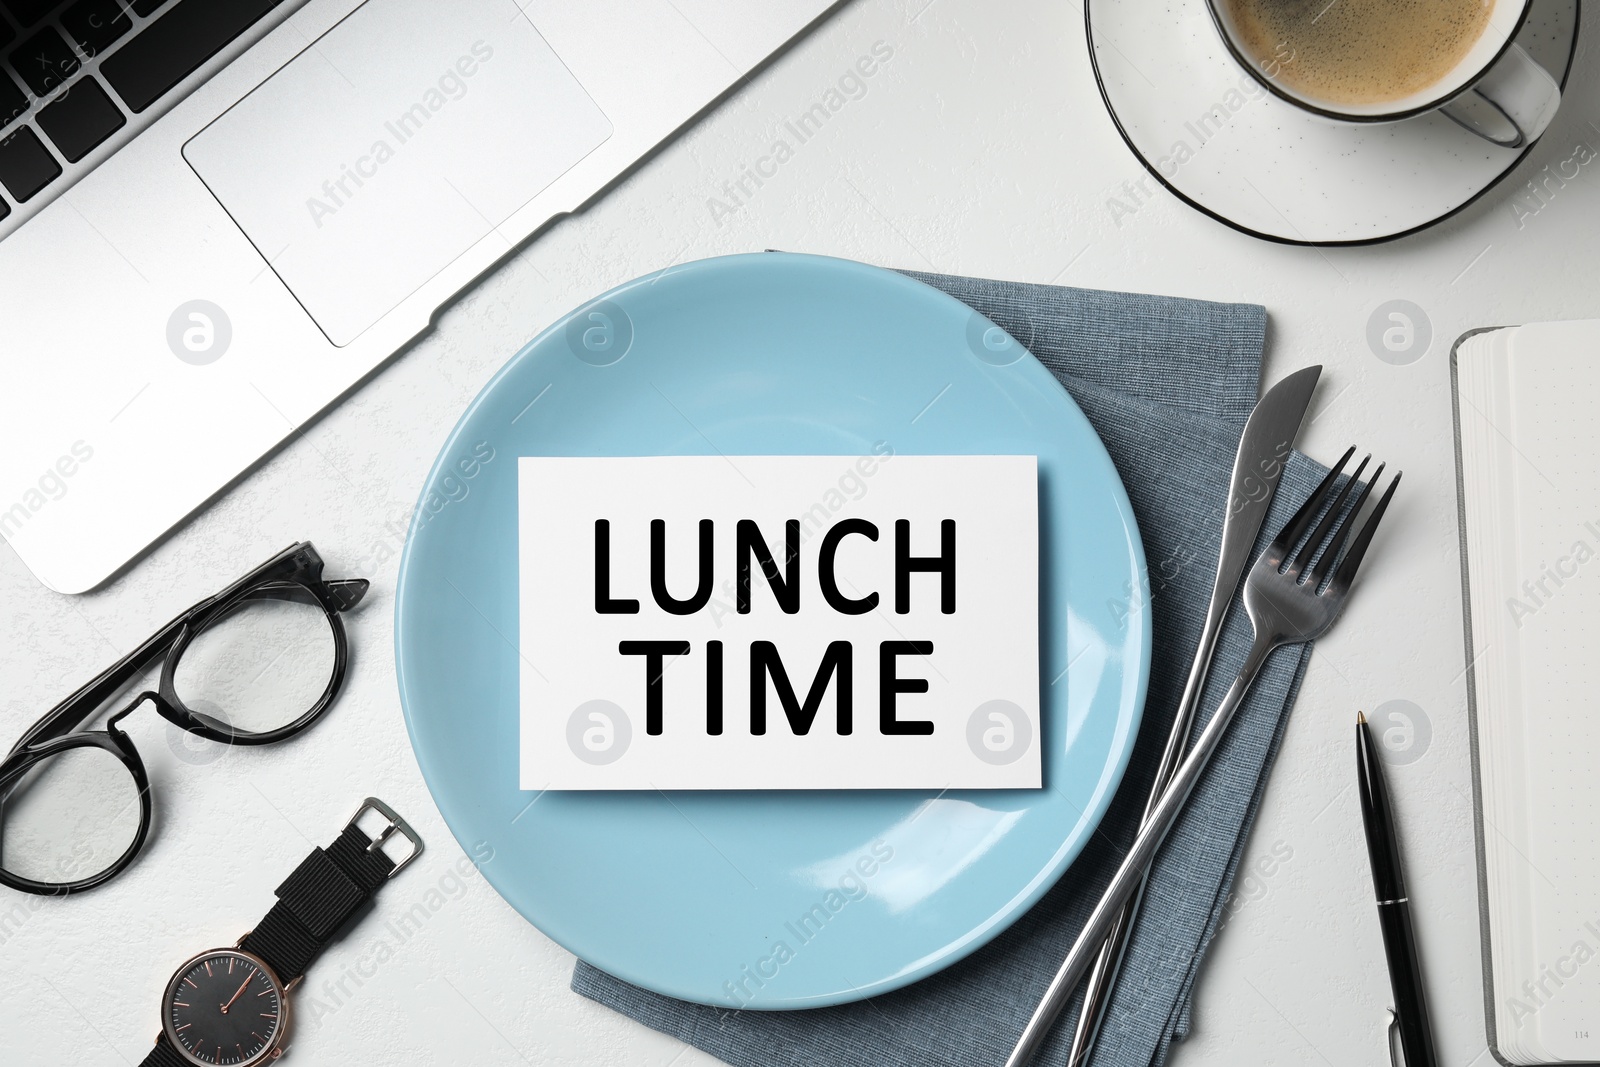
{"x":1264,"y":447}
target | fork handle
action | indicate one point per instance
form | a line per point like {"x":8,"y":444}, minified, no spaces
{"x":1125,"y":882}
{"x":1097,"y":994}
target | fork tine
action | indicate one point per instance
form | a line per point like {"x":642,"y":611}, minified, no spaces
{"x":1320,"y":534}
{"x":1330,"y":555}
{"x":1296,"y":527}
{"x":1347,"y":570}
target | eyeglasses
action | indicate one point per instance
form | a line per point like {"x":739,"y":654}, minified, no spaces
{"x":257,"y":663}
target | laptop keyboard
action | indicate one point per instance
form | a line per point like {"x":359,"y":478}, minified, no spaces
{"x":73,"y":73}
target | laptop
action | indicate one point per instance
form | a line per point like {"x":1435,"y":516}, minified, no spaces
{"x":218,"y":216}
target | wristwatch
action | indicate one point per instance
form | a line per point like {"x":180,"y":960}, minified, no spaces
{"x":231,"y":1005}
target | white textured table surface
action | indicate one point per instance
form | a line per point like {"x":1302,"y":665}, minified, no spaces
{"x":979,"y":148}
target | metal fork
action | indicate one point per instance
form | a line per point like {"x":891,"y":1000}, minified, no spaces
{"x":1291,"y":597}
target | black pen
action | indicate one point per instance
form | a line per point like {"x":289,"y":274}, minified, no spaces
{"x":1394,"y":908}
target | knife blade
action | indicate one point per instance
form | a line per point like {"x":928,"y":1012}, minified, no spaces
{"x":1264,"y":447}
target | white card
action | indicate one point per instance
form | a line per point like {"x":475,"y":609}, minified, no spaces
{"x":891,"y":616}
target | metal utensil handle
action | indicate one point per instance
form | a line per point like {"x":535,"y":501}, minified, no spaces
{"x":1109,"y":959}
{"x":1134,"y":865}
{"x":1097,"y":990}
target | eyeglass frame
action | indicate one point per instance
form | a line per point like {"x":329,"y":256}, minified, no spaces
{"x":297,"y":566}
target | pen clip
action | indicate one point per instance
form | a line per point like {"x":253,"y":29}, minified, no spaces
{"x":1396,"y":1057}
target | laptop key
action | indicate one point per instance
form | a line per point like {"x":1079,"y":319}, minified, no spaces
{"x":13,"y":101}
{"x":44,"y":61}
{"x":172,"y":47}
{"x":94,"y":24}
{"x":80,"y":119}
{"x":26,"y":165}
{"x":146,"y":7}
{"x":27,"y":12}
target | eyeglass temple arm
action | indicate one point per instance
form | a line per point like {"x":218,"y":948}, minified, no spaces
{"x":345,"y":593}
{"x":68,"y":715}
{"x":71,"y":713}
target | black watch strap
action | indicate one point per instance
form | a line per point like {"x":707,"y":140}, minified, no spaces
{"x":322,"y":894}
{"x":164,"y":1055}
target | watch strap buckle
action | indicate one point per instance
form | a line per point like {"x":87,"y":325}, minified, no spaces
{"x":394,"y":824}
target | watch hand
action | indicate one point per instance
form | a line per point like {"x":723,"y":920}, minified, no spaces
{"x":239,"y":991}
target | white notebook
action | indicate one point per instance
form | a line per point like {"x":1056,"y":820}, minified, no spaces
{"x":1529,"y":471}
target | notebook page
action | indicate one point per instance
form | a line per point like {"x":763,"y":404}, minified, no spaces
{"x":1554,"y":611}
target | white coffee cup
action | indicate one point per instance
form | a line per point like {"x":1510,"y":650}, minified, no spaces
{"x":1496,"y":90}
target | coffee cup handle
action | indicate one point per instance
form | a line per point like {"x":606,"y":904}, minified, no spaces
{"x":1511,"y":104}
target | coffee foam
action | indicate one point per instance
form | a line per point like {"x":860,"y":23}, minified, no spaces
{"x":1358,"y":53}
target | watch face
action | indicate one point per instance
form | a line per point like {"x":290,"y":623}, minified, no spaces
{"x":224,"y":1007}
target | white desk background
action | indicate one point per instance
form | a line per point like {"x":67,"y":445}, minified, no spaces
{"x":980,"y":148}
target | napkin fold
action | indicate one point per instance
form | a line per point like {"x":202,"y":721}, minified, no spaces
{"x":1168,"y":384}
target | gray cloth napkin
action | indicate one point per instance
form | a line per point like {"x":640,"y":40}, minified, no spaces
{"x":1168,"y":384}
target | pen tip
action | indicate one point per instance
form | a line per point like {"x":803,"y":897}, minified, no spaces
{"x":1361,"y":718}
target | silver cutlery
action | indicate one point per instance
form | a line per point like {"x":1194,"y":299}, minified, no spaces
{"x":1257,"y":467}
{"x":1291,"y":597}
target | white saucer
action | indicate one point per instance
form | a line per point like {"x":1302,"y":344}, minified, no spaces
{"x":1205,"y":129}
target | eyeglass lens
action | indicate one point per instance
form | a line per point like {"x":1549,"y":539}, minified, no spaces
{"x":70,"y":817}
{"x":261,"y":665}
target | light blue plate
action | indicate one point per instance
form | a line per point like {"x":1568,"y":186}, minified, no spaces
{"x":782,"y":899}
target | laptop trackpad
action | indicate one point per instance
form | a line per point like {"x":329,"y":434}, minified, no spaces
{"x":398,"y":140}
